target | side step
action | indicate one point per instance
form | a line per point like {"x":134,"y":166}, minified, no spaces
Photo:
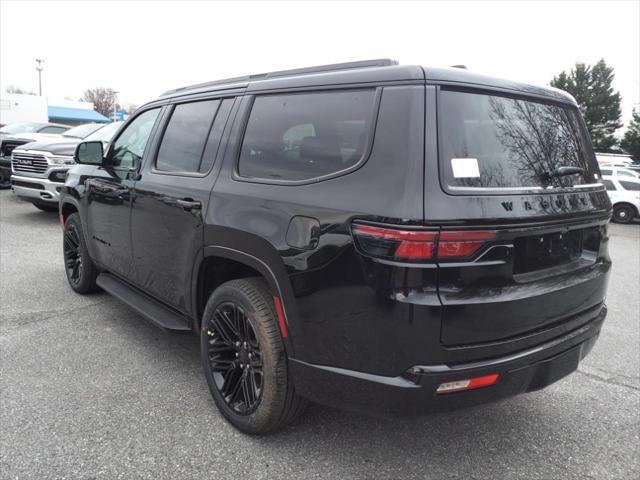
{"x":146,"y":306}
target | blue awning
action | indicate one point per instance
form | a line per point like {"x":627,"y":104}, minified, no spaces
{"x":76,"y":115}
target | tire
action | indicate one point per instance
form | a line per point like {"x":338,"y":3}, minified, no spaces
{"x":241,"y":345}
{"x":80,"y":269}
{"x":45,"y":207}
{"x":623,"y":213}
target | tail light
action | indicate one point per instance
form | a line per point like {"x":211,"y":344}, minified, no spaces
{"x":457,"y":244}
{"x":419,"y":245}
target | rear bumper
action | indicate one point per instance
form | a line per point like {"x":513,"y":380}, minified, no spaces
{"x":415,"y":391}
{"x":36,"y":189}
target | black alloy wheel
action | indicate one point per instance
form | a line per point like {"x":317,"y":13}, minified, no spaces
{"x":245,"y":360}
{"x":235,"y":358}
{"x":80,"y":269}
{"x":73,"y":254}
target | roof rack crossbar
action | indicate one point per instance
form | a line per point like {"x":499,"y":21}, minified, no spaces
{"x":380,"y":62}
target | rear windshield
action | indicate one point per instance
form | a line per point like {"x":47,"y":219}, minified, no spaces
{"x":495,"y":142}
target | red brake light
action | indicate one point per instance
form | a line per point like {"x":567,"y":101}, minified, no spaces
{"x":398,"y":244}
{"x":419,"y":245}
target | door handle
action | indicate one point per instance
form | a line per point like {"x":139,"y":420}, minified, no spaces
{"x":188,"y":204}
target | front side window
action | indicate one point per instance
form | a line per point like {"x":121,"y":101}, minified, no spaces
{"x":495,"y":142}
{"x":130,"y":145}
{"x":633,"y":186}
{"x":609,"y":185}
{"x":301,"y":136}
{"x":184,"y":139}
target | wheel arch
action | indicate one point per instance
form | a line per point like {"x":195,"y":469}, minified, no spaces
{"x":66,"y":209}
{"x":241,"y":265}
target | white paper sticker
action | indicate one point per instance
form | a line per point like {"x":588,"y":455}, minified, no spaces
{"x":465,"y":168}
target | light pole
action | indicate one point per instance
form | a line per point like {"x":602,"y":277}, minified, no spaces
{"x":39,"y":68}
{"x":115,"y":94}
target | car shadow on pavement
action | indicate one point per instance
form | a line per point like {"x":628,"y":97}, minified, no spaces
{"x":478,"y":442}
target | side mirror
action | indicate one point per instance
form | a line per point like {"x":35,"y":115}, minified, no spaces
{"x":89,"y":153}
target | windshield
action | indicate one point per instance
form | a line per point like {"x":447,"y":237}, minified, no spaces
{"x":495,"y":142}
{"x":22,"y":127}
{"x":104,"y":134}
{"x":81,"y":131}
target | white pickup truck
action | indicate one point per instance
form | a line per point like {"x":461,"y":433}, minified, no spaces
{"x":39,"y":168}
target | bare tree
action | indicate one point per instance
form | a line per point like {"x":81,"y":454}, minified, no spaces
{"x":102,"y":99}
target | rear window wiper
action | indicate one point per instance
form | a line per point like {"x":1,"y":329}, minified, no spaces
{"x":561,"y":172}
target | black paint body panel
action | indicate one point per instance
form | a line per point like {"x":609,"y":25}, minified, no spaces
{"x":344,"y":310}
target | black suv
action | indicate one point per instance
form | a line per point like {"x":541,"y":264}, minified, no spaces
{"x":383,"y":238}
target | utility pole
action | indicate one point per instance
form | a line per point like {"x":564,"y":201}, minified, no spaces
{"x":39,"y":68}
{"x":115,"y":104}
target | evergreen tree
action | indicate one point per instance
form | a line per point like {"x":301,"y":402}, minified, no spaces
{"x":599,"y":104}
{"x":631,"y":141}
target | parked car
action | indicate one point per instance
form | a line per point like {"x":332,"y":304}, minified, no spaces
{"x":40,"y":168}
{"x":458,"y":258}
{"x":620,"y":172}
{"x":44,"y":129}
{"x":33,"y":127}
{"x":624,"y":193}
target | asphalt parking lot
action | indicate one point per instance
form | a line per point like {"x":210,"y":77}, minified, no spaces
{"x":90,"y":390}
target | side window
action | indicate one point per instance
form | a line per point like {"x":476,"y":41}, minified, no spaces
{"x":54,"y":130}
{"x":625,"y":173}
{"x":605,"y":172}
{"x":293,"y":136}
{"x":633,"y":186}
{"x":301,"y":136}
{"x":130,"y":145}
{"x":215,"y":136}
{"x":185,"y":137}
{"x":609,"y":185}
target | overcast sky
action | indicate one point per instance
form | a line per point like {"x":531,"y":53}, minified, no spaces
{"x":144,"y":48}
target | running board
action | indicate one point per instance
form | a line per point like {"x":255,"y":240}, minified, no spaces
{"x":146,"y":306}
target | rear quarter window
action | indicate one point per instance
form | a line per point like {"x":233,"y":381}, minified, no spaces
{"x":303,"y":136}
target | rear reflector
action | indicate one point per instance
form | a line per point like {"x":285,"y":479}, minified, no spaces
{"x":419,"y":245}
{"x":280,"y":314}
{"x":468,"y":384}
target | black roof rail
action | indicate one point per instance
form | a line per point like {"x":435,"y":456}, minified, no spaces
{"x":380,"y":62}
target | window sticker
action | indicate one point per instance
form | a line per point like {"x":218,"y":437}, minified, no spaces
{"x":465,"y":168}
